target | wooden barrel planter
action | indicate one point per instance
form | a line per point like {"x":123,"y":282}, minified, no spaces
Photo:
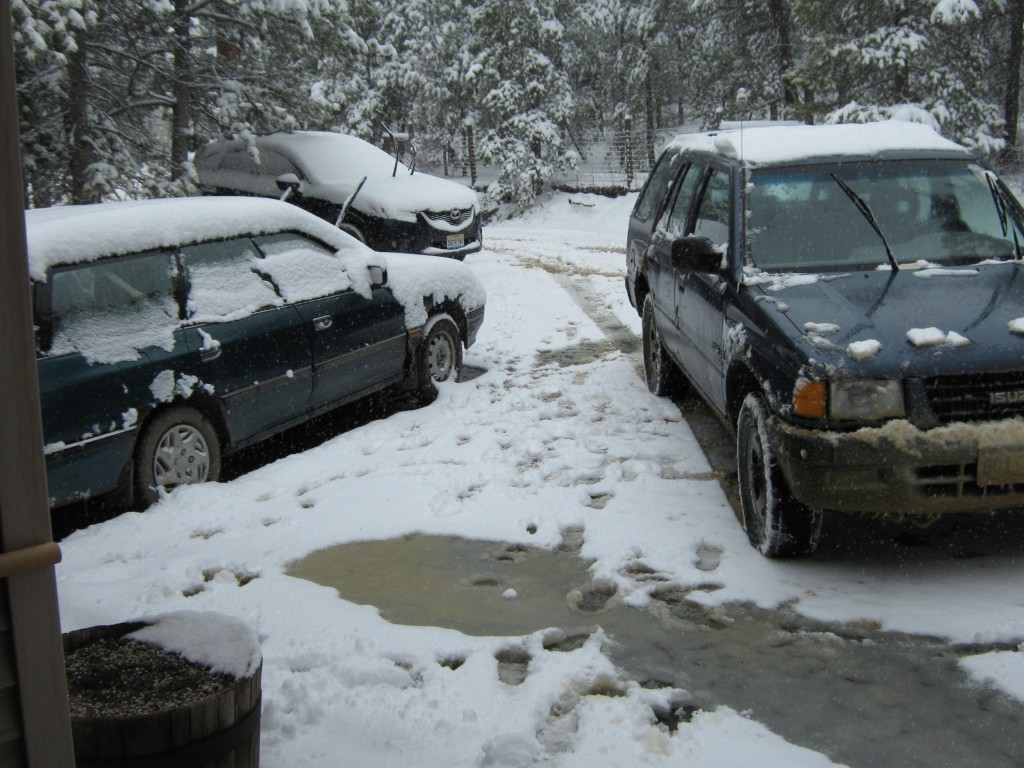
{"x":210,"y":723}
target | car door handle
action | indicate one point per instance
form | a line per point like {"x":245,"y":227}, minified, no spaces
{"x":322,"y":323}
{"x":206,"y":355}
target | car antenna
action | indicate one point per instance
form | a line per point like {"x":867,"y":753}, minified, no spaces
{"x":394,"y":149}
{"x":742,"y":99}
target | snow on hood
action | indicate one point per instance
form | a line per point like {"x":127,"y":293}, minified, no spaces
{"x":75,"y":234}
{"x":782,"y":144}
{"x":333,"y":164}
{"x":416,"y":281}
{"x":897,"y":311}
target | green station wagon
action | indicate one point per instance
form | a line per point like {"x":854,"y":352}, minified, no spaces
{"x":171,"y":332}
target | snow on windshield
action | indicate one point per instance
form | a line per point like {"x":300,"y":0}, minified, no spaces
{"x":330,"y":157}
{"x":333,"y":165}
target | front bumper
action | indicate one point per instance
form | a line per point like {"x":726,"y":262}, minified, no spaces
{"x":900,"y":470}
{"x":474,"y":319}
{"x":422,"y":237}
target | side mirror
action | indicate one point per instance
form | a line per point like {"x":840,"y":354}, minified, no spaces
{"x":288,"y":183}
{"x":378,"y":276}
{"x":696,"y":254}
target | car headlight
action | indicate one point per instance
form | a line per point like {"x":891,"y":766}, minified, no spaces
{"x":865,"y":400}
{"x":850,"y":399}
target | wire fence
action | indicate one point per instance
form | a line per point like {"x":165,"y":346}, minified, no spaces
{"x":608,"y":160}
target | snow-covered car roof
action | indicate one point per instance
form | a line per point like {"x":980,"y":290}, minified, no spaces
{"x":78,"y":233}
{"x":790,"y":144}
{"x":331,"y":166}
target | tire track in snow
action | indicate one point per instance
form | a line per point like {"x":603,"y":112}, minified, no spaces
{"x":713,"y":438}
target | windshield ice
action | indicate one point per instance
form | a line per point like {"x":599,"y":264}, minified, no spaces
{"x":817,"y":218}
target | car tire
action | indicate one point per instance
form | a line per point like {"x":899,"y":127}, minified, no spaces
{"x":660,"y":372}
{"x":777,"y":524}
{"x":439,"y":356}
{"x":179,"y":446}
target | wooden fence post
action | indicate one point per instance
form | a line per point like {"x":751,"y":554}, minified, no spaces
{"x":628,"y":150}
{"x":471,"y":154}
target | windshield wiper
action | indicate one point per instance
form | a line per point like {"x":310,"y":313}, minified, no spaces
{"x":1005,"y":225}
{"x":862,"y":206}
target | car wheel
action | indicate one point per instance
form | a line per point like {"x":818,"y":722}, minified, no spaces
{"x":439,"y":356}
{"x":178,"y":447}
{"x":660,"y":372}
{"x":776,"y":523}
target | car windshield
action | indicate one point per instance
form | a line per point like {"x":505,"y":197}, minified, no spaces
{"x":823,"y":217}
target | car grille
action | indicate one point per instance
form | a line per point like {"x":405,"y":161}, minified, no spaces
{"x":959,"y":481}
{"x":454,"y":217}
{"x":984,"y":397}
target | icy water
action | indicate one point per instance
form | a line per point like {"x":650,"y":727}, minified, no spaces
{"x":863,"y":697}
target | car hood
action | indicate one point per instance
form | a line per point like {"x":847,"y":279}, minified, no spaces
{"x":399,"y":197}
{"x":881,"y":323}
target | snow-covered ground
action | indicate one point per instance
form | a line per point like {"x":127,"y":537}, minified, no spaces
{"x":559,"y":421}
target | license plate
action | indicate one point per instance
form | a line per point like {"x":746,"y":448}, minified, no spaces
{"x":1000,"y":465}
{"x":456,"y":241}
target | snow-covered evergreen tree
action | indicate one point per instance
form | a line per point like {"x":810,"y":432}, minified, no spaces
{"x":524,"y":96}
{"x":918,"y":59}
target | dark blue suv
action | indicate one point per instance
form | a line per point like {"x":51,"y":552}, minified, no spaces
{"x":850,"y":300}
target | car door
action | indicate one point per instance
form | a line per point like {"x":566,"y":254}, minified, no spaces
{"x":700,"y":296}
{"x":95,"y":323}
{"x":250,"y":347}
{"x":662,"y":275}
{"x":650,"y":203}
{"x":358,"y":343}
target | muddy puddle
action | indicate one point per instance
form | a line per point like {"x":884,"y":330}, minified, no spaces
{"x":861,"y":696}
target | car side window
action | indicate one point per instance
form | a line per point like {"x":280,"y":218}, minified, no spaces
{"x":301,"y":268}
{"x":239,"y":160}
{"x":274,"y":164}
{"x":712,"y":219}
{"x":98,"y":306}
{"x":654,"y":189}
{"x":283,"y":242}
{"x":225,"y":281}
{"x":678,"y":216}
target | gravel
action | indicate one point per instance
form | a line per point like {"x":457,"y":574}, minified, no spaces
{"x":120,"y":678}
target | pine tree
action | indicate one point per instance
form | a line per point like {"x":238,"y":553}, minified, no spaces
{"x":918,"y":59}
{"x":524,"y":97}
